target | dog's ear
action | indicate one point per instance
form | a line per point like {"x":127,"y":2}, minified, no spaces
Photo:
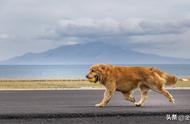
{"x":101,"y":72}
{"x":105,"y":69}
{"x":102,"y":68}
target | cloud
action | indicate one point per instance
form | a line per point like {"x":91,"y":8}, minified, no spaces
{"x":148,"y":26}
{"x":4,"y":36}
{"x":88,"y":27}
{"x":158,"y":37}
{"x":133,"y":30}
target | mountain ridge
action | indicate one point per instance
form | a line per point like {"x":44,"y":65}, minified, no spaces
{"x":91,"y":53}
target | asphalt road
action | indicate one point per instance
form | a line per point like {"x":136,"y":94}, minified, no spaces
{"x":77,"y":106}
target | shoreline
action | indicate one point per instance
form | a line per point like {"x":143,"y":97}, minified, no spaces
{"x":33,"y":80}
{"x":59,"y":84}
{"x":52,"y":80}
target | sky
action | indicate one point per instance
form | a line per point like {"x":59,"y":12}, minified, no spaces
{"x":160,"y":27}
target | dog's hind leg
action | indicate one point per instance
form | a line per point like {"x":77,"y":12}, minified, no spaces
{"x":128,"y":96}
{"x":167,"y":94}
{"x":144,"y":95}
{"x":158,"y":86}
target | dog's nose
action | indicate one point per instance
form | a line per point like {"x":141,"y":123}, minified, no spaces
{"x":86,"y":76}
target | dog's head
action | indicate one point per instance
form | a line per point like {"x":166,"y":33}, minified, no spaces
{"x":97,"y":73}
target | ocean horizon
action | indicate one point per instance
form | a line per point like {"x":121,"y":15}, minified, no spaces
{"x":33,"y":72}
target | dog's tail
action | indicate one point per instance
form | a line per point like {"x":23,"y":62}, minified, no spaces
{"x":168,"y":78}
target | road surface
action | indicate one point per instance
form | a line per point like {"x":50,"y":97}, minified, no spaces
{"x":77,"y":106}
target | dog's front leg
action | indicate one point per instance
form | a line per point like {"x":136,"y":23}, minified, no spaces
{"x":107,"y":96}
{"x":110,"y":90}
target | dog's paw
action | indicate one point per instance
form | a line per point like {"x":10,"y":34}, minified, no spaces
{"x":100,"y":105}
{"x":172,"y":100}
{"x":137,"y":104}
{"x":133,"y":100}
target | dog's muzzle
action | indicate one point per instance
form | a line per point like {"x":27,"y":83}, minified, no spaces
{"x":94,"y":79}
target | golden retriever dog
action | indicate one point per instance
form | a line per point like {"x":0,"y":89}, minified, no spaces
{"x":125,"y":79}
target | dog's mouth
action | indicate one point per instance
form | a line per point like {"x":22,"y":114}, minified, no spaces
{"x":94,"y":79}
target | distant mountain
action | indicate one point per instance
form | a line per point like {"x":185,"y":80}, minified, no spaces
{"x":91,"y":53}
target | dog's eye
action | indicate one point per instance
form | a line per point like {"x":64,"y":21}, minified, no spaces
{"x":92,"y":70}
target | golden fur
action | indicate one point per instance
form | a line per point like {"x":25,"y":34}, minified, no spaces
{"x":125,"y":79}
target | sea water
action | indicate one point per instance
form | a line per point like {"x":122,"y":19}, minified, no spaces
{"x":72,"y":71}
